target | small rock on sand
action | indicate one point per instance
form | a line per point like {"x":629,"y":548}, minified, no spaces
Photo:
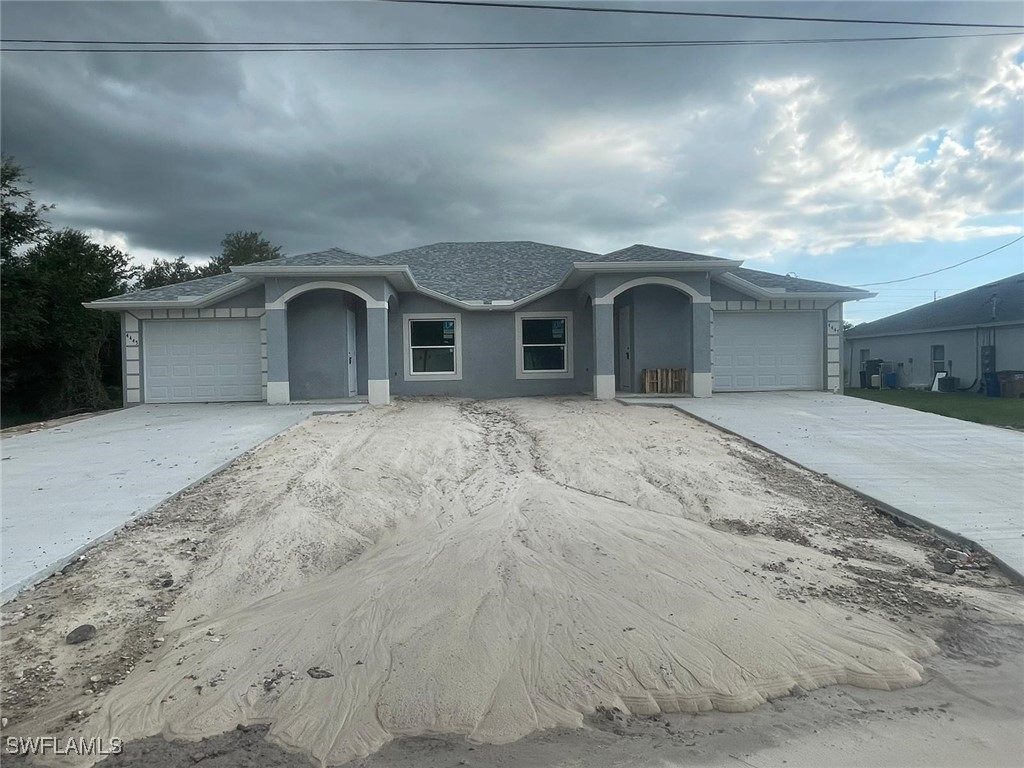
{"x":80,"y":634}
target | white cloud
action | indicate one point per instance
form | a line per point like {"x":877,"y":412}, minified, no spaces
{"x":140,"y":256}
{"x":757,"y":153}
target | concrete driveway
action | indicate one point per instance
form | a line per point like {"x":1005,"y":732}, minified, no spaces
{"x":965,"y":478}
{"x":68,"y":487}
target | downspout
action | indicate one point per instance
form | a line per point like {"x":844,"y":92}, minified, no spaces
{"x":977,"y":356}
{"x":850,"y":369}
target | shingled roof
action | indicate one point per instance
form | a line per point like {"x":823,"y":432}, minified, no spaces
{"x":192,"y":289}
{"x":998,"y":302}
{"x":498,"y":270}
{"x":332,"y":257}
{"x":791,"y":284}
{"x":471,"y":272}
{"x":641,"y":252}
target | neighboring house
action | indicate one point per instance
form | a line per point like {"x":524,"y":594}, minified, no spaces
{"x":963,"y":335}
{"x":493,"y":319}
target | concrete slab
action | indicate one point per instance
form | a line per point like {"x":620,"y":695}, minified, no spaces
{"x":966,"y":479}
{"x":66,"y":488}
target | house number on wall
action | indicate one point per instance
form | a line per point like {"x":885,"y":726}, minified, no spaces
{"x":131,"y":339}
{"x":833,"y":327}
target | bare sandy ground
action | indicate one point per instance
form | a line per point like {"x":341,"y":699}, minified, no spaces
{"x":461,"y":574}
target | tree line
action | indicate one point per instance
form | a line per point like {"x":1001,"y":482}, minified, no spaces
{"x":56,"y":357}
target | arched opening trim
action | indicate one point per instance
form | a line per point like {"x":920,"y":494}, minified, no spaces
{"x":287,"y":296}
{"x":693,"y":293}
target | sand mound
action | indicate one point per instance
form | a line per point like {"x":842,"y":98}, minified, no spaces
{"x":491,"y":596}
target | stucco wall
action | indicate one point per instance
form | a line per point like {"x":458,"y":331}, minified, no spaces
{"x":318,"y":344}
{"x":911,"y":356}
{"x":489,"y":350}
{"x":251,"y":298}
{"x":721,"y":292}
{"x":1010,"y":348}
{"x":911,"y":353}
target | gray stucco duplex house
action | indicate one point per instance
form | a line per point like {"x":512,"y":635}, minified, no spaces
{"x":490,"y":319}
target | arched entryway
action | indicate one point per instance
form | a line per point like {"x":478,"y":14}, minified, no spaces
{"x":653,"y":331}
{"x":651,"y":322}
{"x":326,"y":338}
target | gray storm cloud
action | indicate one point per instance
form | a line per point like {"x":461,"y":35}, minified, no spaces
{"x":747,"y":151}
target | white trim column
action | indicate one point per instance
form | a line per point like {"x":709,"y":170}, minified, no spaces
{"x":278,"y":390}
{"x":378,"y":384}
{"x":702,"y":343}
{"x":833,"y":345}
{"x":604,"y":349}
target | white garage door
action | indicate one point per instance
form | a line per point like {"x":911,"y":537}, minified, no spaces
{"x":196,"y":361}
{"x":756,"y":351}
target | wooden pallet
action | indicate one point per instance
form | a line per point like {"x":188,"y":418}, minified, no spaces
{"x":664,"y":381}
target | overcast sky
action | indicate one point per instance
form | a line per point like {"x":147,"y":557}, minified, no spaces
{"x":851,"y":163}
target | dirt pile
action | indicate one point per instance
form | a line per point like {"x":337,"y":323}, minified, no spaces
{"x":491,"y":570}
{"x":490,"y":598}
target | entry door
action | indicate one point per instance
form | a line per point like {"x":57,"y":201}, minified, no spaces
{"x":353,"y":381}
{"x":625,"y":352}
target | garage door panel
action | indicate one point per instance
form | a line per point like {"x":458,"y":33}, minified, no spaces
{"x":756,"y":351}
{"x":202,"y":360}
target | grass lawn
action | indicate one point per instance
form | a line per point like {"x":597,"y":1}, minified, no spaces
{"x":967,"y":406}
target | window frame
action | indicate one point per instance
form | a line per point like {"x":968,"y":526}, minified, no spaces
{"x":564,"y":373}
{"x":941,"y":361}
{"x":407,"y":348}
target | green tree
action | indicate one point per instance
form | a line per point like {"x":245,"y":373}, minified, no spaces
{"x":71,"y":268}
{"x":21,"y":222}
{"x":238,"y":248}
{"x":166,"y":272}
{"x":21,"y":225}
{"x":60,"y":369}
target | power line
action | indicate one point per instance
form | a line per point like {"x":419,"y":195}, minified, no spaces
{"x":704,"y":14}
{"x":284,"y":47}
{"x":72,"y":41}
{"x":936,"y":271}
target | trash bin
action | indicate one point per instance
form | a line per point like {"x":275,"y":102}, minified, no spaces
{"x":1011,"y":383}
{"x":890,"y":380}
{"x":990,"y":384}
{"x":873,"y":368}
{"x":863,"y":379}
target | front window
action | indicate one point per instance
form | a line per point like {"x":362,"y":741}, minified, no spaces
{"x":433,"y":346}
{"x":544,"y":345}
